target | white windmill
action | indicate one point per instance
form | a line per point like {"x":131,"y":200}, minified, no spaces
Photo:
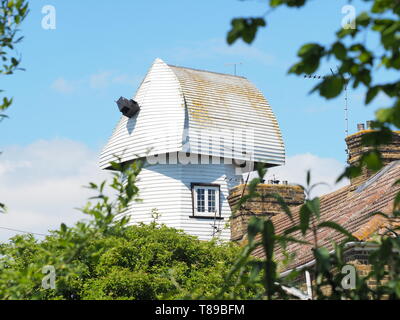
{"x":197,"y":132}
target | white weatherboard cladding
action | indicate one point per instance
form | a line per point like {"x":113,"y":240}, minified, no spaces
{"x":167,"y":188}
{"x":157,"y":127}
{"x":174,"y":98}
{"x":185,"y":110}
{"x":220,"y":102}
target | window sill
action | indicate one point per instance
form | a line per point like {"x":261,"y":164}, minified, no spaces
{"x":207,"y":217}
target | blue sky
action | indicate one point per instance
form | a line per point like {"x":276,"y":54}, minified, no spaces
{"x":64,"y":108}
{"x":100,"y":50}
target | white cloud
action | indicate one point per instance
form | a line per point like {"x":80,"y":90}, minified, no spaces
{"x":215,"y":47}
{"x":100,"y":80}
{"x":126,"y":79}
{"x":325,"y":170}
{"x":104,"y":79}
{"x":96,"y":81}
{"x":42,"y":183}
{"x":63,"y":86}
{"x":245,"y":51}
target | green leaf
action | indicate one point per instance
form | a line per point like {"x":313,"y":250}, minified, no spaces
{"x":305,"y":215}
{"x":342,"y":33}
{"x":244,"y":28}
{"x":63,"y":227}
{"x":331,"y":87}
{"x":270,"y":266}
{"x":291,"y":230}
{"x":310,"y":50}
{"x":314,"y":206}
{"x":310,"y":55}
{"x":339,"y":50}
{"x":14,"y":61}
{"x":283,"y":205}
{"x":3,"y":208}
{"x":375,"y":138}
{"x":322,"y":258}
{"x":384,"y":114}
{"x":255,"y":226}
{"x":337,"y":227}
{"x":268,"y":236}
{"x":371,"y":94}
{"x":350,"y":172}
{"x":289,"y":3}
{"x":372,"y":160}
{"x":363,"y":19}
{"x":256,"y":267}
{"x":396,"y":201}
{"x":275,"y":3}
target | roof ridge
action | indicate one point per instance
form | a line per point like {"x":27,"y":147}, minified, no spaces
{"x":377,"y":175}
{"x":201,"y":70}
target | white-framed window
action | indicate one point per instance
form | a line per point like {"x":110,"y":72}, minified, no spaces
{"x":205,"y":200}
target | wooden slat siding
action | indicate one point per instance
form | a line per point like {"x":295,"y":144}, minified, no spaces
{"x":168,"y":188}
{"x":173,"y":96}
{"x":159,"y":187}
{"x":215,"y":174}
{"x":173,"y":99}
{"x":162,"y":113}
{"x":219,"y":101}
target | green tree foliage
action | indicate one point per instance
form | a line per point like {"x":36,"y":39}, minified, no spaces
{"x":327,"y":270}
{"x":358,"y":62}
{"x":12,"y":13}
{"x":104,"y":258}
{"x":357,"y":65}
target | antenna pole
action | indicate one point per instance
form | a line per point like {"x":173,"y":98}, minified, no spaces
{"x":234,"y":64}
{"x":346,"y":109}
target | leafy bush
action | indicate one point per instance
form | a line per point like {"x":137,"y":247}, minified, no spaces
{"x":105,"y":258}
{"x":357,"y":63}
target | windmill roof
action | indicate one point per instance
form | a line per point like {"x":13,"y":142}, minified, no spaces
{"x":183,"y":104}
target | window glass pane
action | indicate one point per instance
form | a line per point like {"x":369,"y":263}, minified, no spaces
{"x":211,"y":200}
{"x":200,"y":200}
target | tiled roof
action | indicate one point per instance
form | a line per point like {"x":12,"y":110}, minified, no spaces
{"x":352,"y":209}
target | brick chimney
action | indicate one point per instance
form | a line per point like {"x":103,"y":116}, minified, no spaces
{"x":263,"y":206}
{"x":389,"y":153}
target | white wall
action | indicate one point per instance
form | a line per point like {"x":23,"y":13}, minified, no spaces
{"x":158,"y":126}
{"x":167,"y":188}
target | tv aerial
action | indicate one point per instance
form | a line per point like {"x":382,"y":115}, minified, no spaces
{"x":346,"y":99}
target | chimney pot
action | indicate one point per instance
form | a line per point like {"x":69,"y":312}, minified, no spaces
{"x":389,"y":152}
{"x":263,"y":205}
{"x":360,"y":127}
{"x":369,"y":125}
